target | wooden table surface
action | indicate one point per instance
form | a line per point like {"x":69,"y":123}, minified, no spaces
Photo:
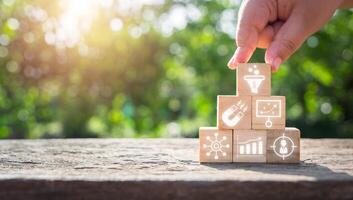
{"x":166,"y":169}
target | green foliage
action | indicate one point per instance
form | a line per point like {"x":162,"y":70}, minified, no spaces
{"x":152,"y":70}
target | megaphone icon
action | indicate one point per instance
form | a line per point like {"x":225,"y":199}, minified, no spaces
{"x":233,"y":114}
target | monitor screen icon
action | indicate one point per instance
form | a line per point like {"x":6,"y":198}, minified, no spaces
{"x":268,"y":109}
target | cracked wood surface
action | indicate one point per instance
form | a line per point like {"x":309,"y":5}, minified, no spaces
{"x":166,"y":169}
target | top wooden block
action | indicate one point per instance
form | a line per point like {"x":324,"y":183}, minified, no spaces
{"x":254,"y":79}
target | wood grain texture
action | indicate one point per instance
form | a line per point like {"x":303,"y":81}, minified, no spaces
{"x":215,"y":145}
{"x":243,"y":149}
{"x":252,"y":71}
{"x":259,"y":106}
{"x":166,"y":169}
{"x":291,"y":137}
{"x":233,"y":112}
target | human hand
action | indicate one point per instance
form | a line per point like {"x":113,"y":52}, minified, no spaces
{"x":280,"y":26}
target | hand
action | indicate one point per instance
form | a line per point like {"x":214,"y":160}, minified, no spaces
{"x":280,"y":26}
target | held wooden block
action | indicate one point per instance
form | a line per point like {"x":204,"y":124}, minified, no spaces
{"x":249,"y":146}
{"x":283,"y":146}
{"x":254,"y":79}
{"x":215,"y":145}
{"x":269,"y":112}
{"x":233,"y":112}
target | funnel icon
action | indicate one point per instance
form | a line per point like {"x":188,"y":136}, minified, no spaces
{"x":254,"y":82}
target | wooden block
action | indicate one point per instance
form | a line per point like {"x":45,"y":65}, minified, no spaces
{"x":215,"y":145}
{"x":233,"y":112}
{"x":269,"y":112}
{"x":254,"y":79}
{"x":249,"y":146}
{"x":283,"y":146}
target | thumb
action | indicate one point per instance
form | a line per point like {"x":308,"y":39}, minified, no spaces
{"x":253,"y":17}
{"x":287,"y":40}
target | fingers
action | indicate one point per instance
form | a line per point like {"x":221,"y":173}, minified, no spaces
{"x":288,"y":39}
{"x":346,"y":4}
{"x":253,"y":17}
{"x":267,"y":35}
{"x":304,"y":20}
{"x":244,"y":52}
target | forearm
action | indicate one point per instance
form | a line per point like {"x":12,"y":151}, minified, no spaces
{"x":346,"y":4}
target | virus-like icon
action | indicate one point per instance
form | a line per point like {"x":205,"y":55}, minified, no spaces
{"x":216,"y":146}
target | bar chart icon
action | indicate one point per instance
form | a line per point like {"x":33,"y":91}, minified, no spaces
{"x":251,"y":147}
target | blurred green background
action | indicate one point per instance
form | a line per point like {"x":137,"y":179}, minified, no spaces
{"x":152,"y":68}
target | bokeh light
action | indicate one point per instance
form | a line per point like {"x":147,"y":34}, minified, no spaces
{"x":152,"y":68}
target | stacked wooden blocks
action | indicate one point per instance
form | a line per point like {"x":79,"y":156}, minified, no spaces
{"x":251,"y":125}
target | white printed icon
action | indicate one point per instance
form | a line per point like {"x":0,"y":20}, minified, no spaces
{"x":255,"y":79}
{"x":283,"y":146}
{"x":232,"y":115}
{"x":268,"y":109}
{"x":216,"y":146}
{"x":251,"y":147}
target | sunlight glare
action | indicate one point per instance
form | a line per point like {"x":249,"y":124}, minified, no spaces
{"x":73,"y":22}
{"x":69,"y":28}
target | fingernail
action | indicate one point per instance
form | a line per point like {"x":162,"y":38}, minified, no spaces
{"x":276,"y":63}
{"x":232,"y":62}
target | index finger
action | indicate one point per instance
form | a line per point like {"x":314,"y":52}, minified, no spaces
{"x":253,"y":17}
